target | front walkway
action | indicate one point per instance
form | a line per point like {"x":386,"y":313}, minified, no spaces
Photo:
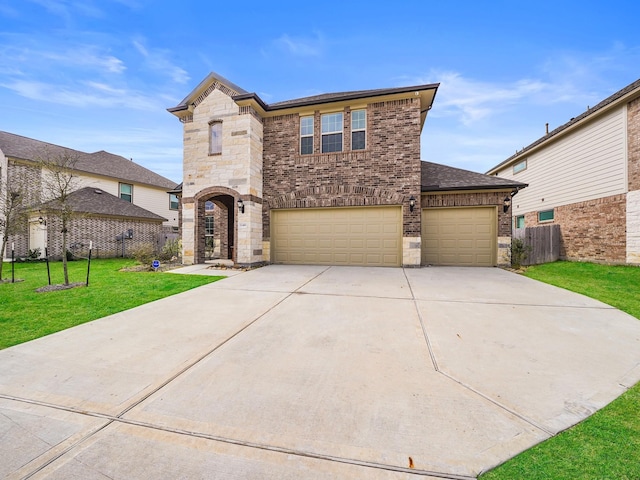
{"x":289,"y":372}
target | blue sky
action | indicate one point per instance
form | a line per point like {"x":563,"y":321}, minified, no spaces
{"x":99,"y":75}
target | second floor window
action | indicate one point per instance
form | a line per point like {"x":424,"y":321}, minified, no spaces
{"x":331,"y":124}
{"x":358,"y":129}
{"x":306,"y":135}
{"x":174,"y":202}
{"x":215,"y":138}
{"x":126,"y":192}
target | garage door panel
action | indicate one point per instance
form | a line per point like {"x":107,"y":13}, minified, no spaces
{"x":459,"y":236}
{"x":338,"y":236}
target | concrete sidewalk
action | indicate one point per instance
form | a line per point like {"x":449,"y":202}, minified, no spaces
{"x":289,"y":372}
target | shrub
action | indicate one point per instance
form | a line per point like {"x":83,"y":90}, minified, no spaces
{"x":171,"y":249}
{"x":519,"y":252}
{"x":34,"y":254}
{"x":143,"y":253}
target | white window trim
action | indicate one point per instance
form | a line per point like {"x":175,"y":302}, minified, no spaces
{"x":211,"y":144}
{"x":549,"y":220}
{"x":120,"y":191}
{"x":363,"y":129}
{"x":517,"y":170}
{"x":177,"y":199}
{"x":341,"y":131}
{"x":307,"y":135}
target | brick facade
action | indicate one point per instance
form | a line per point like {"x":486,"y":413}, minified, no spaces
{"x":590,"y":231}
{"x":30,"y":176}
{"x":386,"y":173}
{"x":102,"y":232}
{"x":479,"y":199}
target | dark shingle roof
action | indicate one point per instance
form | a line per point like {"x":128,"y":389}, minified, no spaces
{"x":437,"y":178}
{"x":607,"y":101}
{"x":98,"y":163}
{"x":242,"y":94}
{"x":333,"y":97}
{"x":91,"y":200}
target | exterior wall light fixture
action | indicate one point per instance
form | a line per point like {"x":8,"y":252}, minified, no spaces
{"x":240,"y":205}
{"x":506,"y":204}
{"x":412,"y":203}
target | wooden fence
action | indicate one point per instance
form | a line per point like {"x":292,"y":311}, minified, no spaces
{"x":542,"y":244}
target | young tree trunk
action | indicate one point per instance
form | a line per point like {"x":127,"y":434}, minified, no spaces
{"x":4,"y":245}
{"x":64,"y":252}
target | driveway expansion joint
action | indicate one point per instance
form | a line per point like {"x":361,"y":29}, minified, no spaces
{"x":432,"y":354}
{"x":111,"y":419}
{"x":534,"y":424}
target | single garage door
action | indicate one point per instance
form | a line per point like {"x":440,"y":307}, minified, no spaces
{"x":459,"y":236}
{"x":370,"y":236}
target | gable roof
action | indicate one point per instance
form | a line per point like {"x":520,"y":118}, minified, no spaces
{"x":98,"y":163}
{"x":425,"y":92}
{"x":202,"y":87}
{"x":91,"y":200}
{"x":438,"y":178}
{"x":337,"y":96}
{"x":624,"y":95}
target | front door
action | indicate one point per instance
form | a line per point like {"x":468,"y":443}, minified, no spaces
{"x":37,"y":237}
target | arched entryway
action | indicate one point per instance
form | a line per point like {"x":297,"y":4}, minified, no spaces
{"x":215,"y":225}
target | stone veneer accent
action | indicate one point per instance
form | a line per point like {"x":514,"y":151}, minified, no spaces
{"x":633,"y":227}
{"x":633,"y":143}
{"x":234,"y":174}
{"x":411,"y":251}
{"x":591,"y":231}
{"x":504,"y":251}
{"x":386,"y":173}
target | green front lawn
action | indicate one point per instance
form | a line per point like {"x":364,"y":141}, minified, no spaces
{"x":607,"y":444}
{"x":25,"y":314}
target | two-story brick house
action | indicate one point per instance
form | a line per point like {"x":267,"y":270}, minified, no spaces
{"x":330,"y":179}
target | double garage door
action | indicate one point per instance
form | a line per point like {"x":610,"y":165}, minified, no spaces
{"x":459,"y":236}
{"x":372,"y":236}
{"x":367,"y":236}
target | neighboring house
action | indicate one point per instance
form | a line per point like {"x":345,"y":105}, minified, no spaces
{"x":332,"y":179}
{"x":129,"y":183}
{"x":585,"y":177}
{"x":113,"y":225}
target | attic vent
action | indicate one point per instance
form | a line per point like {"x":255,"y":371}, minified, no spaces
{"x":97,"y":191}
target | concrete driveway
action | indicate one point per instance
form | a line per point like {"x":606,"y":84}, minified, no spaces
{"x":312,"y":372}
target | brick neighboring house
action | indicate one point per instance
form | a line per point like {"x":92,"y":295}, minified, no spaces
{"x":142,"y":202}
{"x":331,"y":179}
{"x":101,"y":218}
{"x":585,"y":177}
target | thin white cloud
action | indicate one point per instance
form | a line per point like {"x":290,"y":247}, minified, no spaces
{"x":301,"y":47}
{"x":28,"y":56}
{"x":87,"y":95}
{"x":473,"y":100}
{"x":66,"y":8}
{"x":85,"y":57}
{"x":158,"y":60}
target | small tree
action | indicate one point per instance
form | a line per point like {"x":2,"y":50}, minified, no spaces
{"x":519,"y":252}
{"x":59,"y":181}
{"x":12,"y":213}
